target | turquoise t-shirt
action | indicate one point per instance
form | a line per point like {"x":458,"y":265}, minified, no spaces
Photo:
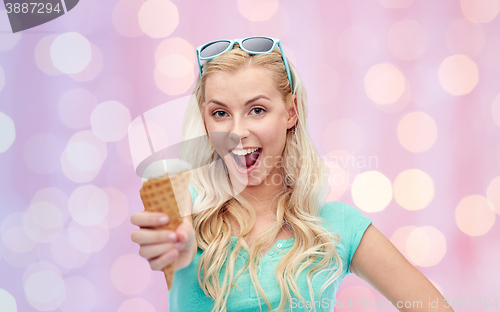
{"x":343,"y":219}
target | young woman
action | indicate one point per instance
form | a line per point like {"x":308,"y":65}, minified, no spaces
{"x":261,"y":236}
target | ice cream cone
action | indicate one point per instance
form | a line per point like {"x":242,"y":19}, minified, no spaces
{"x":170,"y":195}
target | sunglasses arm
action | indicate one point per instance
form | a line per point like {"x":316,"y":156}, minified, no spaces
{"x":198,"y":58}
{"x":285,"y":61}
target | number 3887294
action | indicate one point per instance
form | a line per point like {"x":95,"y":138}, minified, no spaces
{"x":32,"y":8}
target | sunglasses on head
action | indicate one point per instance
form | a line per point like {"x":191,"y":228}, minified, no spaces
{"x":251,"y":45}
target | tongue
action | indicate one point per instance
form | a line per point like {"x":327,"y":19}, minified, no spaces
{"x":249,"y":159}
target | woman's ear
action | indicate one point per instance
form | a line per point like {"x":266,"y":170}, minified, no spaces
{"x":292,"y":113}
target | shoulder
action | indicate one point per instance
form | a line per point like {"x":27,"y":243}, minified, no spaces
{"x":193,"y":192}
{"x":340,"y":213}
{"x":349,"y":223}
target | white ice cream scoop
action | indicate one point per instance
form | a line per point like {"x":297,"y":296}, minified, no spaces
{"x":160,"y":168}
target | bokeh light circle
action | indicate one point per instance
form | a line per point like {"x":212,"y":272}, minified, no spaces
{"x":55,"y":196}
{"x":7,"y":301}
{"x":45,"y":290}
{"x":13,"y":235}
{"x":88,"y":239}
{"x":384,"y":84}
{"x":78,"y":161}
{"x":8,"y":132}
{"x":83,"y":156}
{"x":417,"y":132}
{"x":41,"y":153}
{"x":407,"y":40}
{"x":118,"y":207}
{"x":418,"y":245}
{"x":42,"y":56}
{"x":19,"y":259}
{"x":158,"y":18}
{"x":110,"y":121}
{"x":66,"y":254}
{"x":43,"y":222}
{"x":93,"y":68}
{"x":88,"y":205}
{"x":175,"y":66}
{"x":89,"y":137}
{"x":125,"y":17}
{"x":342,"y":168}
{"x":465,"y":37}
{"x":129,"y":281}
{"x":400,"y":237}
{"x":458,"y":74}
{"x":480,"y":11}
{"x":338,"y":180}
{"x":371,"y":191}
{"x":174,"y":74}
{"x":258,"y":10}
{"x":136,"y":304}
{"x":74,"y":174}
{"x":426,"y":246}
{"x":413,"y":189}
{"x":80,"y":295}
{"x":176,"y":46}
{"x":70,"y":52}
{"x":37,"y":267}
{"x":76,"y":106}
{"x":493,"y":193}
{"x":475,"y":215}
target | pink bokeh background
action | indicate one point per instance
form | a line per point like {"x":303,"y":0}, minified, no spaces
{"x":404,"y":107}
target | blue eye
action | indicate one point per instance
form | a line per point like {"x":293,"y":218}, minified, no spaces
{"x":259,"y":108}
{"x":217,"y":115}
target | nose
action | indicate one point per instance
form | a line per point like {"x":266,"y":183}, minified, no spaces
{"x":240,"y":128}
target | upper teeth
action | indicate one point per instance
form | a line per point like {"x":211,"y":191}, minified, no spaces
{"x":244,"y":152}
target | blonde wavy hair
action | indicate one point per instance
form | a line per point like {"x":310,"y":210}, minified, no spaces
{"x":305,"y":189}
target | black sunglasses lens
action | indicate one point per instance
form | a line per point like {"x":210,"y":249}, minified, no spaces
{"x":214,"y":48}
{"x":258,"y":44}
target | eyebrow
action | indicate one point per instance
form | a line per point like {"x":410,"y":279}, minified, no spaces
{"x":247,"y":103}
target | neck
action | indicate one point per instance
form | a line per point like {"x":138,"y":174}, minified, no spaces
{"x":262,"y":197}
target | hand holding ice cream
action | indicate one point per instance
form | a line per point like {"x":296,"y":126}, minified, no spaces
{"x":165,"y":193}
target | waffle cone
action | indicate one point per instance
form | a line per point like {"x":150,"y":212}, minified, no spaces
{"x":171,"y":196}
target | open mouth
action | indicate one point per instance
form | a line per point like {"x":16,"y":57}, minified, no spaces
{"x":247,"y":161}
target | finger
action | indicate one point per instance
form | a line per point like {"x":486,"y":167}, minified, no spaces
{"x":184,"y":230}
{"x":155,"y":250}
{"x":146,"y":236}
{"x":149,"y":219}
{"x":167,"y":258}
